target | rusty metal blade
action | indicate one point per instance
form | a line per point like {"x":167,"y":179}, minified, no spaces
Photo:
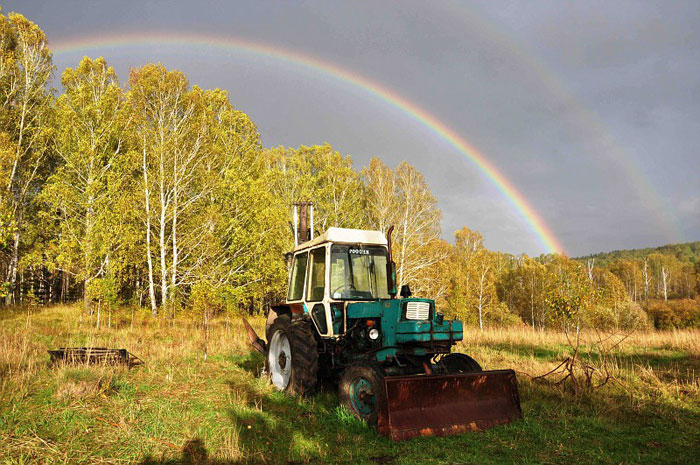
{"x":443,"y":405}
{"x":257,"y":343}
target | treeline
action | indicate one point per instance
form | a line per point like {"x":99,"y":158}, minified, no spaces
{"x":667,"y":272}
{"x":665,"y":280}
{"x":685,"y":252}
{"x":158,"y":194}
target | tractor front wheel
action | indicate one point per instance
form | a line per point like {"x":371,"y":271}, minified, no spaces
{"x":460,"y":363}
{"x":361,"y":391}
{"x":292,"y":357}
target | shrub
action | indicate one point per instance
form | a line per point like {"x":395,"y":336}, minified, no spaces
{"x":687,"y":313}
{"x":600,"y":317}
{"x":681,"y":313}
{"x":500,"y":316}
{"x":632,"y":316}
{"x":624,"y":316}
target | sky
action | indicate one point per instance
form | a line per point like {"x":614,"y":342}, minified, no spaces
{"x":590,"y":109}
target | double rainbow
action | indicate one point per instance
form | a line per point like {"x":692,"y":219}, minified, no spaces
{"x":424,"y":117}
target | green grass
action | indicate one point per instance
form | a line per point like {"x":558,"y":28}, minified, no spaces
{"x":178,"y":408}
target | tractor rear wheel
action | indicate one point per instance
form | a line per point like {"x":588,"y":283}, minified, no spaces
{"x":361,"y":391}
{"x":292,"y":357}
{"x":460,"y":363}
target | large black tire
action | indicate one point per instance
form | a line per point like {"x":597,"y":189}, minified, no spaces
{"x":296,"y":372}
{"x":460,"y":363}
{"x":361,"y":391}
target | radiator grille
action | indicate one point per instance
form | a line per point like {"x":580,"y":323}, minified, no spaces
{"x":417,"y":310}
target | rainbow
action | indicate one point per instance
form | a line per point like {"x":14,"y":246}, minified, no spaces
{"x":422,"y":116}
{"x":603,"y":145}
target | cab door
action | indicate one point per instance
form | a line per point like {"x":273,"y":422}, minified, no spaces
{"x":297,"y":276}
{"x":317,"y":291}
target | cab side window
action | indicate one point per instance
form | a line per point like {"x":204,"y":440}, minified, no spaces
{"x":317,"y":275}
{"x":296,"y":283}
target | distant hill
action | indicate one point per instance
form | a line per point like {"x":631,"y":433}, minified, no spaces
{"x":686,"y":252}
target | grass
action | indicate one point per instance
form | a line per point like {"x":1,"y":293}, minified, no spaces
{"x":179,"y":408}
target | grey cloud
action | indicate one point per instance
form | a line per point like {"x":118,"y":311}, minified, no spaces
{"x":571,"y":101}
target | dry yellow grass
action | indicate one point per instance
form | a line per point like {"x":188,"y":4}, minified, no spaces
{"x":178,"y":403}
{"x":643,"y":364}
{"x":172,"y":349}
{"x":685,"y":339}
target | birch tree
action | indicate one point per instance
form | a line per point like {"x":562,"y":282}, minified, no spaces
{"x":170,"y":131}
{"x":25,"y":129}
{"x":418,"y":224}
{"x":226,"y":227}
{"x":381,"y":194}
{"x":322,"y":176}
{"x":192,"y":145}
{"x":526,"y":287}
{"x":630,"y":274}
{"x":647,"y":280}
{"x":484,"y":283}
{"x":460,"y":298}
{"x":82,"y":193}
{"x":473,"y":283}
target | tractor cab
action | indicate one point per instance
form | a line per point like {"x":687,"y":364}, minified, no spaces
{"x":338,"y":267}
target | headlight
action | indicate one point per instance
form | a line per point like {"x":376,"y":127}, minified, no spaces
{"x":373,"y":334}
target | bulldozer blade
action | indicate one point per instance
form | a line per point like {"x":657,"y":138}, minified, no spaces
{"x":443,"y":405}
{"x":257,"y":343}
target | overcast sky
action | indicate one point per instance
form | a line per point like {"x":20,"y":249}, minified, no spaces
{"x":591,"y":109}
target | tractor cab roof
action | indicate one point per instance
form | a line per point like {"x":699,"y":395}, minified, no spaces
{"x":344,"y":235}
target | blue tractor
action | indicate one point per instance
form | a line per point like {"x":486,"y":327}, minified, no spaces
{"x":390,"y":355}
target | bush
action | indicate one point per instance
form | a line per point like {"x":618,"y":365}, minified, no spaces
{"x":600,"y":317}
{"x":206,"y":298}
{"x":661,"y":314}
{"x":687,"y":313}
{"x":625,"y":316}
{"x":103,"y":290}
{"x":681,"y":313}
{"x":500,"y":315}
{"x":632,"y":316}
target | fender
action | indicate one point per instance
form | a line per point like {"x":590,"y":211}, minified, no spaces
{"x":274,"y":312}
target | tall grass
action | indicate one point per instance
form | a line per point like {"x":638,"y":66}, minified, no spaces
{"x":644,"y":364}
{"x":180,"y":407}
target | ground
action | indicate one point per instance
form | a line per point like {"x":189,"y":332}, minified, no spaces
{"x":180,"y":408}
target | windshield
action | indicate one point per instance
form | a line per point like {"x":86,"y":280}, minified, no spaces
{"x":358,"y":272}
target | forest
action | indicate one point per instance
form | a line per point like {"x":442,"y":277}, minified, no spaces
{"x":154,"y":193}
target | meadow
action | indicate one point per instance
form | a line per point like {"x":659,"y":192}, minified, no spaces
{"x":180,"y":408}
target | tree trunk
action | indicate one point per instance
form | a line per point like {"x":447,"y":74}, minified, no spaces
{"x":149,"y":258}
{"x":205,"y":329}
{"x":163,"y":255}
{"x":86,"y":294}
{"x":13,"y":295}
{"x":664,"y":275}
{"x":173,"y":282}
{"x":482,"y":278}
{"x":645,"y":273}
{"x":481,"y":319}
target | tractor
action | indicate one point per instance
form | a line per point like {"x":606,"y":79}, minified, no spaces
{"x":390,"y":356}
